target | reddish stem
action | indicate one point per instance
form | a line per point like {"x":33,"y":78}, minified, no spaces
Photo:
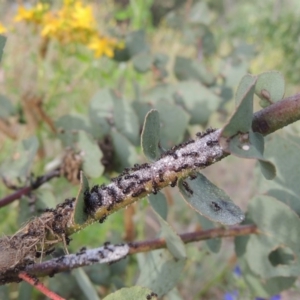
{"x":39,"y":286}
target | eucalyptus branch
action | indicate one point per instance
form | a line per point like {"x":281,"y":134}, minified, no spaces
{"x":55,"y":225}
{"x":111,"y":253}
{"x":27,"y":189}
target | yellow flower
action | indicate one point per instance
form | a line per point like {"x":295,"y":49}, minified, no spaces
{"x":82,"y":17}
{"x":102,"y":46}
{"x":2,"y":29}
{"x":32,"y":15}
{"x":74,"y":22}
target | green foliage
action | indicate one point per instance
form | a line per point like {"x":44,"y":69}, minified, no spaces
{"x":150,"y":135}
{"x":80,"y":216}
{"x":237,"y":136}
{"x":20,"y":165}
{"x":214,"y":245}
{"x":2,"y":44}
{"x":85,"y":284}
{"x":134,"y":293}
{"x":210,"y":201}
{"x":270,"y":87}
{"x":166,"y":94}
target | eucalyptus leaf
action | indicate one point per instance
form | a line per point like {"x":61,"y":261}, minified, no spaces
{"x":264,"y":288}
{"x":142,"y":62}
{"x":66,"y":286}
{"x":241,"y":120}
{"x":285,"y":186}
{"x":214,"y":245}
{"x":270,"y":87}
{"x":68,"y":127}
{"x":186,"y":68}
{"x":173,"y":123}
{"x":125,"y":153}
{"x":232,"y":70}
{"x":2,"y":44}
{"x":251,"y":145}
{"x":159,"y":204}
{"x":151,"y":135}
{"x":79,"y":214}
{"x":136,"y":42}
{"x":126,"y":120}
{"x":279,"y":229}
{"x":132,"y":293}
{"x":160,"y":271}
{"x":199,"y":101}
{"x":159,"y":93}
{"x":19,"y":166}
{"x":92,"y":155}
{"x":210,"y":201}
{"x":141,"y":109}
{"x":101,"y":112}
{"x":85,"y":284}
{"x":174,"y":243}
{"x":99,"y":274}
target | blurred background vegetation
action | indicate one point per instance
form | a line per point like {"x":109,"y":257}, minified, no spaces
{"x":68,"y":64}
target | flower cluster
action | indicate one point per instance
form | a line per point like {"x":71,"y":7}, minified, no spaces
{"x":74,"y":22}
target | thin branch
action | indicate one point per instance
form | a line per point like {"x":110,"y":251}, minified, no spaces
{"x":145,"y":246}
{"x":277,"y":115}
{"x":39,"y":286}
{"x":27,"y":189}
{"x":111,"y":253}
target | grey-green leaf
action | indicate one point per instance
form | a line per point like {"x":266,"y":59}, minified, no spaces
{"x":68,"y":127}
{"x":92,"y":155}
{"x":270,"y":87}
{"x":2,"y":44}
{"x":159,"y":204}
{"x":288,"y":190}
{"x":132,"y":293}
{"x":251,"y":145}
{"x":85,"y":284}
{"x":126,"y":120}
{"x":241,"y":119}
{"x":275,"y":251}
{"x":160,"y":271}
{"x":136,"y":42}
{"x":174,"y":243}
{"x":142,"y":62}
{"x":210,"y":201}
{"x":262,"y":287}
{"x":186,"y":68}
{"x":173,"y":122}
{"x":150,"y":135}
{"x":20,"y":165}
{"x":101,"y":112}
{"x":199,"y":101}
{"x":214,"y":245}
{"x":125,"y":153}
{"x":79,"y":216}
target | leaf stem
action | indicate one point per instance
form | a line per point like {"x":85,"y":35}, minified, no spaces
{"x":39,"y":286}
{"x":27,"y":189}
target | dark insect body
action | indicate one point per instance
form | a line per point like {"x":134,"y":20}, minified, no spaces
{"x":187,"y":187}
{"x":173,"y":184}
{"x":215,"y":206}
